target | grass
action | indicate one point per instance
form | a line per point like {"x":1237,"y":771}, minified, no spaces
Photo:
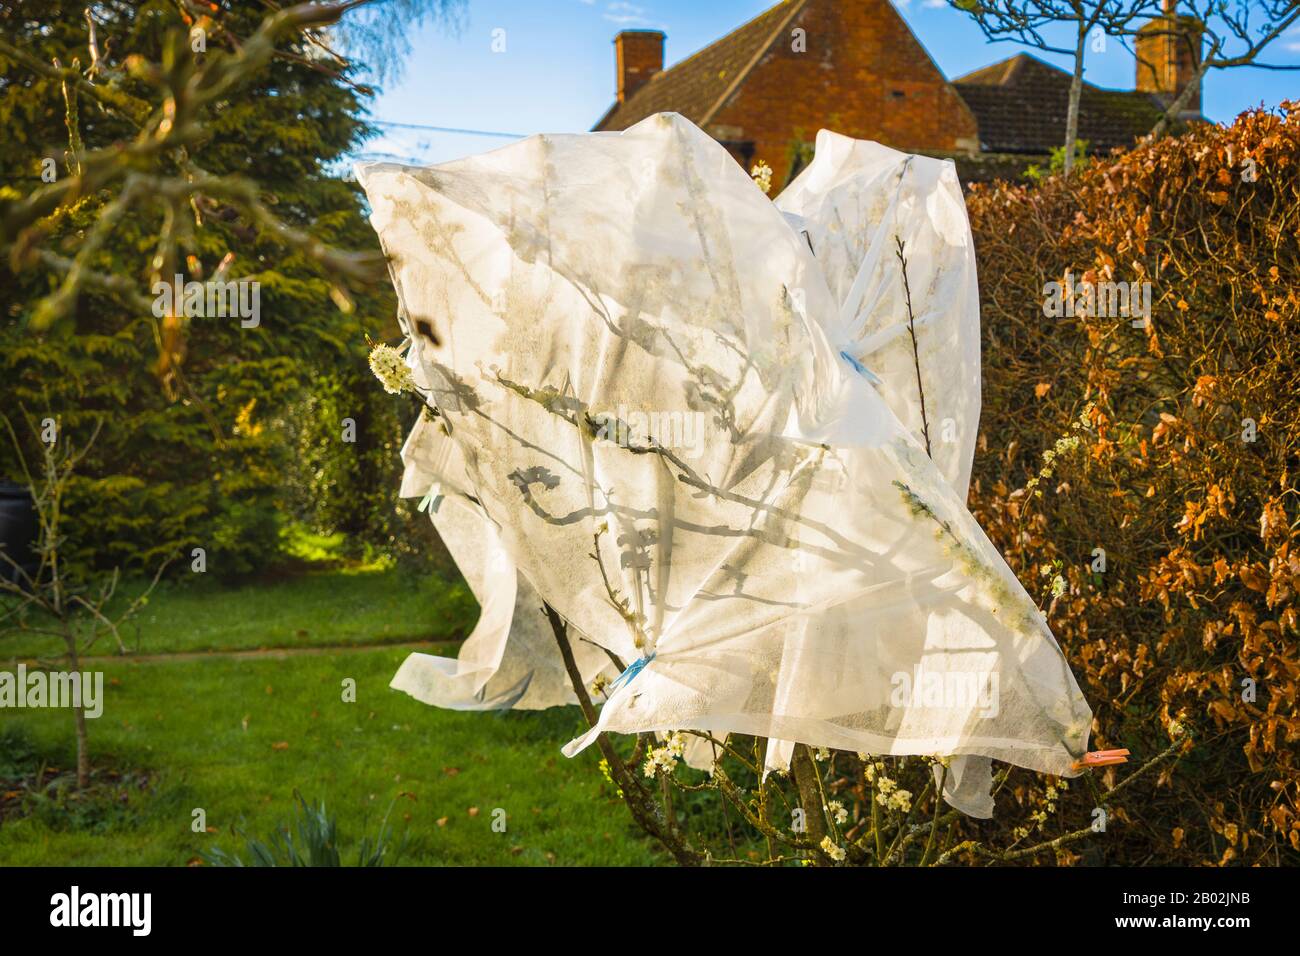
{"x":236,"y":736}
{"x":348,"y":606}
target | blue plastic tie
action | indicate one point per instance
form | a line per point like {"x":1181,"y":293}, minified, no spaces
{"x":860,"y":368}
{"x":632,"y":670}
{"x":432,"y":500}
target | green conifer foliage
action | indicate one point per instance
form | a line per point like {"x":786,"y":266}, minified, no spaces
{"x":211,"y":458}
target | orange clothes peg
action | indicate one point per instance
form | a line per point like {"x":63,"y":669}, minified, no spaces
{"x":1101,"y":758}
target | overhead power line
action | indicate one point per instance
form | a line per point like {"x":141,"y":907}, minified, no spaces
{"x":447,"y":129}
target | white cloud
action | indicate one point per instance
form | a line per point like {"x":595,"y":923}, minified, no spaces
{"x":626,"y":14}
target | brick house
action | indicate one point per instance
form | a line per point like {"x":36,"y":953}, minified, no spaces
{"x":765,"y":89}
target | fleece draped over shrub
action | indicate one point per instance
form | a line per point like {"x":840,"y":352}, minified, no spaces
{"x":727,"y":440}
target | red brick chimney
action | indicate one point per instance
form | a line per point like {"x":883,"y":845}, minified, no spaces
{"x":1168,"y":55}
{"x":640,"y":55}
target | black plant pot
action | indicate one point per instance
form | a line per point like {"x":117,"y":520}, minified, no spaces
{"x":18,"y":529}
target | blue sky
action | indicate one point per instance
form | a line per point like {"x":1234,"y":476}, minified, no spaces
{"x":556,"y":73}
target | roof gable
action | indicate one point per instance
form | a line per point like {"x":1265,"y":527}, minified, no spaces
{"x":698,"y":85}
{"x":1021,"y":70}
{"x":1021,"y":103}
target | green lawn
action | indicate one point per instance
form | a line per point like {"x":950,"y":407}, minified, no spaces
{"x":236,"y":736}
{"x":371,"y":605}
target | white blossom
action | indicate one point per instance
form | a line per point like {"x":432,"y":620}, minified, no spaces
{"x":664,"y":759}
{"x":835,"y":852}
{"x":390,"y":368}
{"x":901,"y":800}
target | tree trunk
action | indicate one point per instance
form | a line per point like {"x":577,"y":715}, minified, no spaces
{"x":804,"y":770}
{"x":1076,"y":91}
{"x":644,"y":811}
{"x":1180,"y":100}
{"x":83,"y":748}
{"x":79,"y":718}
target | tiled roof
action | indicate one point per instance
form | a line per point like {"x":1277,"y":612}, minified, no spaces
{"x":698,"y":85}
{"x":1020,"y":105}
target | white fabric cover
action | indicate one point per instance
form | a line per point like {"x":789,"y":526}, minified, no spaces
{"x":854,"y":204}
{"x":786,"y":561}
{"x":510,"y":659}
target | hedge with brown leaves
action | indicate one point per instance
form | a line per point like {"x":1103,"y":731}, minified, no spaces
{"x":1194,"y":619}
